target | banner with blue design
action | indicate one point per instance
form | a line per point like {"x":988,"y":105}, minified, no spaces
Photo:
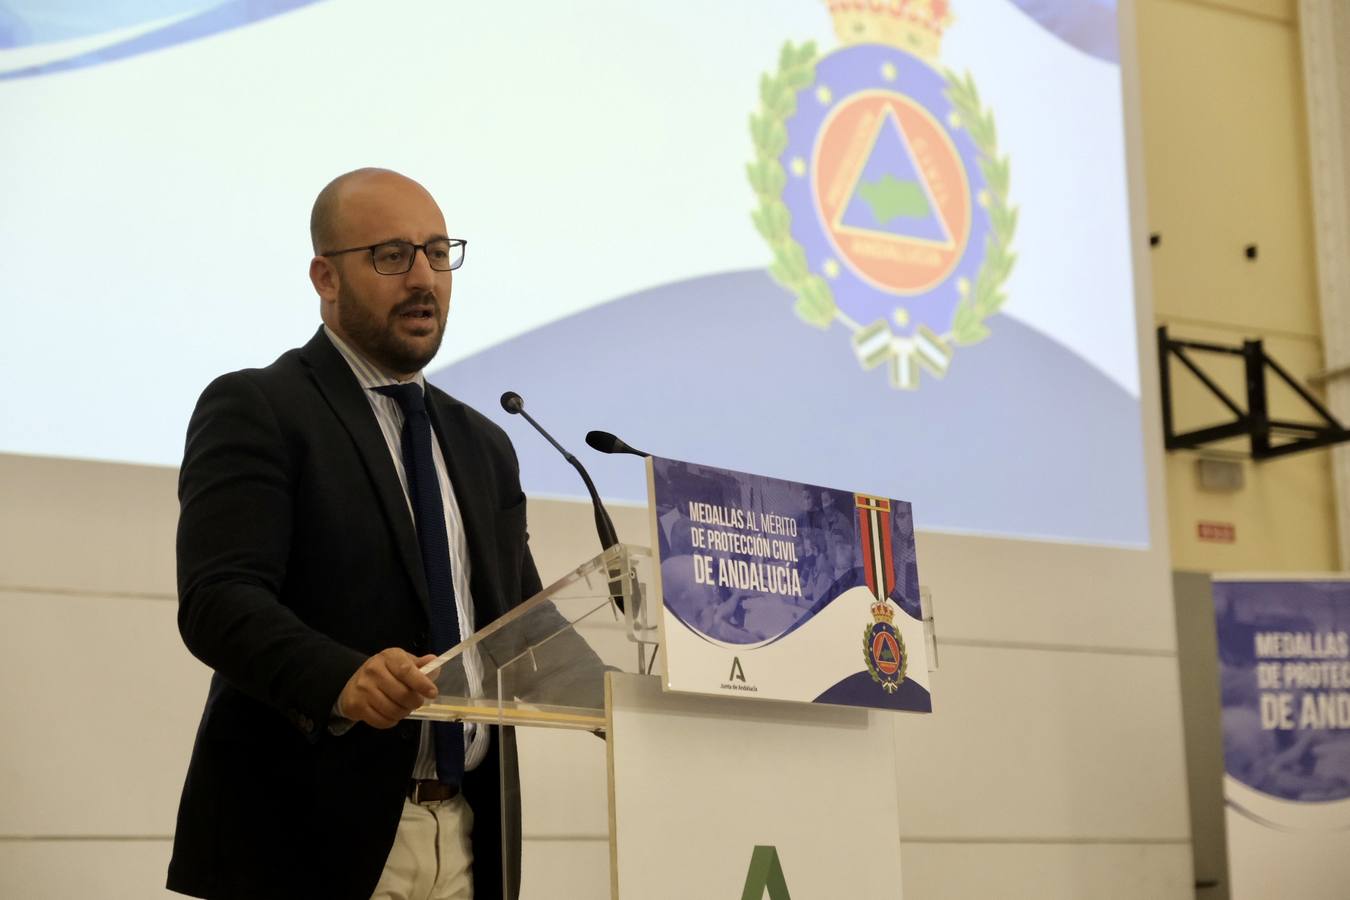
{"x":786,"y":591}
{"x":1284,"y":674}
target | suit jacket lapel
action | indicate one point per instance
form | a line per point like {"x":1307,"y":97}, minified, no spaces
{"x":343,"y":393}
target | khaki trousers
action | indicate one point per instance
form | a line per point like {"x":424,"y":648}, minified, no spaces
{"x":432,"y":856}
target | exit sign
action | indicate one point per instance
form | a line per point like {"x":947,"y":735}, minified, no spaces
{"x":1216,"y":532}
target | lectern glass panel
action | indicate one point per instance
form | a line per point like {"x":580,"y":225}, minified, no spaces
{"x":542,"y":667}
{"x":543,"y":663}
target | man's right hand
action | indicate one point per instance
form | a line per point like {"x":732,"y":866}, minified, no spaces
{"x":386,"y":688}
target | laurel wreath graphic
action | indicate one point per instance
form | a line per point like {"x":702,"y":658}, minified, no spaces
{"x":986,"y":296}
{"x":815,"y":299}
{"x":768,"y":128}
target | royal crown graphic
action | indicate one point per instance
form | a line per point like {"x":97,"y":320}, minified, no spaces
{"x":881,"y":190}
{"x":914,"y":25}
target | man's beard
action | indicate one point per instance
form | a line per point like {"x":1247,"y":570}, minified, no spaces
{"x":377,"y":339}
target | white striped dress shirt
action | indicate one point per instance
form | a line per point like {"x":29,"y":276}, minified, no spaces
{"x":389,"y":415}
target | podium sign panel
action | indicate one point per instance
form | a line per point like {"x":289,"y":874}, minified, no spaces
{"x":783,"y":591}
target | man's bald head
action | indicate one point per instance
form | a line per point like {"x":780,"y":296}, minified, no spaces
{"x":325,"y":219}
{"x":396,"y":319}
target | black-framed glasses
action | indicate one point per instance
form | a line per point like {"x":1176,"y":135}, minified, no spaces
{"x":396,"y":257}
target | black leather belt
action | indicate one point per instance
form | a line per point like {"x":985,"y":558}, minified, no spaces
{"x":430,"y":791}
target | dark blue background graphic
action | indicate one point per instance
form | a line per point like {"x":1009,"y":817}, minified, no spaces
{"x":861,"y":690}
{"x":1022,"y":437}
{"x":28,"y":24}
{"x":1089,"y":25}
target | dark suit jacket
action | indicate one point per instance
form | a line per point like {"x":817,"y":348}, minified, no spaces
{"x":297,"y":559}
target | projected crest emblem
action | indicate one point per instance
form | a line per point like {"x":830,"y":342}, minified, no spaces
{"x":881,"y":190}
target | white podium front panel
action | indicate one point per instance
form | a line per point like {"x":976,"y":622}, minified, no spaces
{"x":698,"y":783}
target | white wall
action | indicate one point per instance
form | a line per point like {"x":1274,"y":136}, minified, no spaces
{"x":100,"y":698}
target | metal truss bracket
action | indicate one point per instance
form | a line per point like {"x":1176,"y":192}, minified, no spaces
{"x":1255,"y":422}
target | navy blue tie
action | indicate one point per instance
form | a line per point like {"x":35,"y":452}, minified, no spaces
{"x":424,"y":492}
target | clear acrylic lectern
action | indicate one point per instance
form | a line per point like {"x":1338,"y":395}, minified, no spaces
{"x":543,"y":664}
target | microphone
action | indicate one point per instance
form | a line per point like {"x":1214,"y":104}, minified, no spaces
{"x":512,"y":403}
{"x":608,"y":443}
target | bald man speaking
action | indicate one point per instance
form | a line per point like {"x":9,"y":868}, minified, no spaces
{"x":341,"y":521}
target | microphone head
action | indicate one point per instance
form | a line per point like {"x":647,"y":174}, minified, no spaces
{"x":608,"y":443}
{"x":512,"y":403}
{"x":604,"y":442}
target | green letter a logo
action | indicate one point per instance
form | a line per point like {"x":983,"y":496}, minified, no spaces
{"x":766,"y":874}
{"x":737,"y":673}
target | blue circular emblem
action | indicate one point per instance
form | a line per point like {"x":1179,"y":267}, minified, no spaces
{"x":884,"y":650}
{"x":886,"y":195}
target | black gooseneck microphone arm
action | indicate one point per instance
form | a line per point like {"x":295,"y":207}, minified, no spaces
{"x":512,"y":403}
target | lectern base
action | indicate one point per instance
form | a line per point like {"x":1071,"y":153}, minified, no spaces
{"x":698,"y":783}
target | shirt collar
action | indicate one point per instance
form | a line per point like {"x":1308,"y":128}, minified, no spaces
{"x":368,"y":375}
